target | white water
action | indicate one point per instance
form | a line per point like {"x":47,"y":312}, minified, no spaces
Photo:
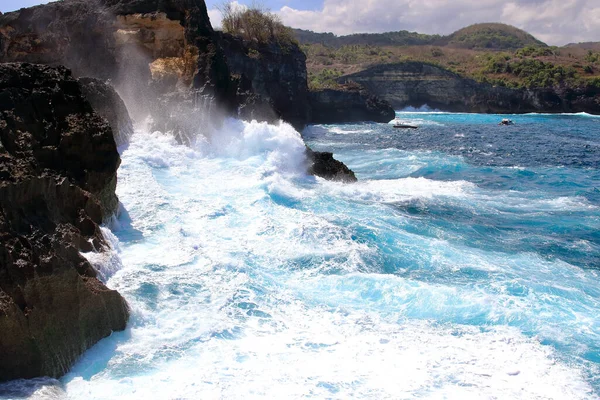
{"x":246,"y":280}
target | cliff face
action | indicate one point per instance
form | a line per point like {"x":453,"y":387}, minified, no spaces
{"x":332,"y":106}
{"x":272,"y":80}
{"x":147,"y":48}
{"x":416,"y":84}
{"x":58,"y":163}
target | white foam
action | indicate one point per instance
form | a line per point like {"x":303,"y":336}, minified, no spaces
{"x":249,"y":280}
{"x":107,"y":261}
{"x":341,"y":131}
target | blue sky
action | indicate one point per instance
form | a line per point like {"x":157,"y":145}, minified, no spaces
{"x":556,"y":22}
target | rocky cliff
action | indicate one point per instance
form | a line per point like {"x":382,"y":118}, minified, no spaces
{"x":58,"y":164}
{"x":349,"y":105}
{"x":272,"y":79}
{"x":416,"y":84}
{"x":147,"y":48}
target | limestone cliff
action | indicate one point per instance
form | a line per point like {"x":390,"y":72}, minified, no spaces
{"x":58,"y":164}
{"x":416,"y":84}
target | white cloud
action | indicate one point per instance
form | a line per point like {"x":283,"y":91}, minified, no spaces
{"x":555,"y":21}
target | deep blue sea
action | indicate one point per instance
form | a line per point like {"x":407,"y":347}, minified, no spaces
{"x":465,"y":264}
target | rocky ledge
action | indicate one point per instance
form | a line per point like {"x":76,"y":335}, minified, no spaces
{"x":58,"y":164}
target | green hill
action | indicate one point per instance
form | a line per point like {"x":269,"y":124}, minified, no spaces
{"x":400,"y":38}
{"x":490,"y":36}
{"x":595,"y":46}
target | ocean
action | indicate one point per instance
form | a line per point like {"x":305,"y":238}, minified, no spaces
{"x":464,"y":264}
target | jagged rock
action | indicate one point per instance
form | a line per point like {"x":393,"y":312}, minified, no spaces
{"x":108,"y":104}
{"x":58,"y":164}
{"x":322,"y":164}
{"x":414,"y":84}
{"x":348,"y":105}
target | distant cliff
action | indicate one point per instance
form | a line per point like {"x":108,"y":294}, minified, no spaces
{"x":416,"y":84}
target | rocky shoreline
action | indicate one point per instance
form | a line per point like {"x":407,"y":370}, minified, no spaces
{"x":58,"y":170}
{"x":59,"y":132}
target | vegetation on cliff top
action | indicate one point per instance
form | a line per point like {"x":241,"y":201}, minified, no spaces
{"x":255,"y":24}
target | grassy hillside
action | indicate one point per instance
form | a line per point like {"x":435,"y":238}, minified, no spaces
{"x":491,"y":36}
{"x":531,"y":67}
{"x":400,"y":38}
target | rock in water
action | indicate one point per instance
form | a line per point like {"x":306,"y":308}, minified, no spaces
{"x":58,"y":164}
{"x":322,"y":164}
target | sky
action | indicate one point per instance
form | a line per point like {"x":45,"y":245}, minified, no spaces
{"x":556,"y":22}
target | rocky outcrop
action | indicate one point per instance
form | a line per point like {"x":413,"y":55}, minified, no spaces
{"x":58,"y":164}
{"x":414,"y":84}
{"x":107,"y":103}
{"x":349,"y":105}
{"x":271,"y":80}
{"x":322,"y":164}
{"x":166,"y":61}
{"x":147,"y":48}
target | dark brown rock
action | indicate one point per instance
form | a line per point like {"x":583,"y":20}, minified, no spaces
{"x":272,"y":81}
{"x":322,"y":164}
{"x":58,"y":163}
{"x":108,"y":104}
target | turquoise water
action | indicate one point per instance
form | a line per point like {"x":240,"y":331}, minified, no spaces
{"x":464,"y":264}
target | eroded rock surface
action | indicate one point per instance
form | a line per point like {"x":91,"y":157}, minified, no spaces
{"x":58,"y":164}
{"x":414,"y":84}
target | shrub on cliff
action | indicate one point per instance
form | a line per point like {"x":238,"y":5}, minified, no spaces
{"x":255,"y":24}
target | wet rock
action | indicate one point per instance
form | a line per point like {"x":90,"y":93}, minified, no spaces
{"x":58,"y":164}
{"x":108,"y":104}
{"x":322,"y":164}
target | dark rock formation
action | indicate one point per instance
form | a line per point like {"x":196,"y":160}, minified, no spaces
{"x":58,"y":163}
{"x":272,"y":80}
{"x":166,"y":61}
{"x":416,"y":84}
{"x":146,"y":47}
{"x":323,"y":164}
{"x":108,"y":104}
{"x":349,"y":105}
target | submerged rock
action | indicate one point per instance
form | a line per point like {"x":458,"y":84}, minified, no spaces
{"x":58,"y":164}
